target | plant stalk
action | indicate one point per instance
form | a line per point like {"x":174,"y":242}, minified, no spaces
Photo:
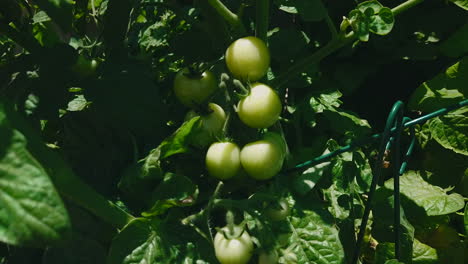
{"x":262,"y":18}
{"x":232,"y":19}
{"x":331,"y":47}
{"x":405,"y":6}
{"x":316,"y":57}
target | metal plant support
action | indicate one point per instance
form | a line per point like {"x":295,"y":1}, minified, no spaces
{"x":389,"y":140}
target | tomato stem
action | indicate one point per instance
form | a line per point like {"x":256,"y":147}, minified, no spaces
{"x":232,"y":19}
{"x":204,"y":216}
{"x":405,"y":6}
{"x":230,"y":222}
{"x":331,"y":26}
{"x":330,"y":48}
{"x":262,"y":18}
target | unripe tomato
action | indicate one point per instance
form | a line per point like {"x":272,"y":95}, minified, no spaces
{"x":85,"y":67}
{"x":278,"y":211}
{"x":193,"y":90}
{"x":262,"y":159}
{"x":261,"y":108}
{"x":278,"y":139}
{"x":211,"y":125}
{"x":248,"y":58}
{"x":235,"y":250}
{"x":223,"y":160}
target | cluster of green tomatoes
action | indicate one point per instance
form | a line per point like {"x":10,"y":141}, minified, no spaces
{"x":248,"y":60}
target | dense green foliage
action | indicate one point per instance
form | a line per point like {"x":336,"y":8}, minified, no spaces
{"x":132,"y":131}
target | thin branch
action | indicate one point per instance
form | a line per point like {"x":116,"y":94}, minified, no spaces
{"x":231,"y":18}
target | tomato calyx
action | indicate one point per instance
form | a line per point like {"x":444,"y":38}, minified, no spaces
{"x":233,"y":247}
{"x":202,"y":109}
{"x":233,"y":232}
{"x":196,"y":70}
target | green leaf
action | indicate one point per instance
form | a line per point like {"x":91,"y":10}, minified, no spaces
{"x":451,"y":131}
{"x":371,"y":16}
{"x":385,"y":252}
{"x":393,"y":261}
{"x":315,"y":238}
{"x":383,"y":229}
{"x":309,"y":178}
{"x":345,"y":121}
{"x":424,"y":254}
{"x":461,"y":3}
{"x":364,"y":176}
{"x":31,"y":211}
{"x":327,"y":103}
{"x":79,"y":103}
{"x":445,"y":89}
{"x":350,"y":176}
{"x":326,"y":100}
{"x":457,"y":44}
{"x":59,"y":10}
{"x":159,"y":242}
{"x":45,"y":32}
{"x":360,"y":24}
{"x":138,"y":242}
{"x":179,"y":141}
{"x":433,"y":199}
{"x":174,"y":190}
{"x":446,"y":166}
{"x":373,"y":6}
{"x":382,"y":23}
{"x":140,"y":179}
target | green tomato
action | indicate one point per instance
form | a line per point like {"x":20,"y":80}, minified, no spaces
{"x":85,"y":67}
{"x":233,"y":250}
{"x":268,"y":257}
{"x":278,"y":139}
{"x":261,"y":108}
{"x":278,"y":211}
{"x":194,"y":90}
{"x":211,"y":125}
{"x":223,"y":160}
{"x":248,"y":59}
{"x":262,"y":159}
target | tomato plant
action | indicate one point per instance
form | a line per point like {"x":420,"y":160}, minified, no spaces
{"x":261,"y":108}
{"x":233,"y":250}
{"x":128,"y":128}
{"x":193,"y":89}
{"x":248,"y":59}
{"x":223,"y":160}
